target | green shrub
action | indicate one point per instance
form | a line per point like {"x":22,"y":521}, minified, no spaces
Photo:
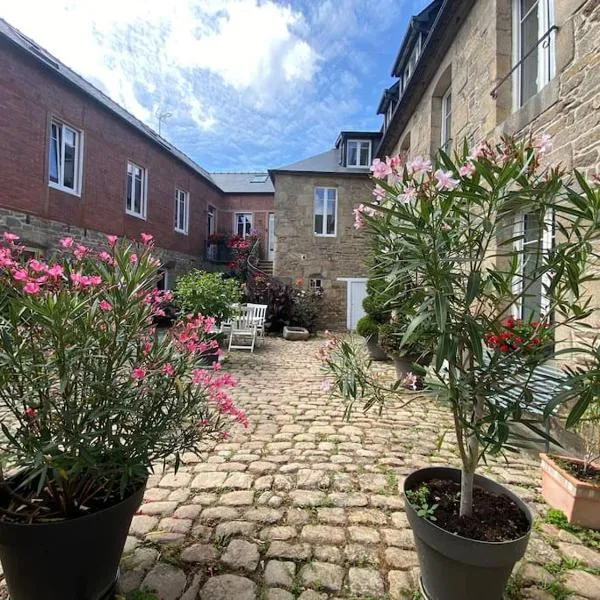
{"x":305,"y":309}
{"x":208,"y":294}
{"x":367,"y":326}
{"x":375,"y":304}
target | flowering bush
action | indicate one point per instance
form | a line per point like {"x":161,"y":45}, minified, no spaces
{"x":209,"y":294}
{"x":306,"y":307}
{"x":448,"y":231}
{"x":517,"y":335}
{"x":94,"y":396}
{"x":241,"y":248}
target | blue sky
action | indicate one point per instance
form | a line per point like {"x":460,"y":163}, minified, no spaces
{"x":248,"y":84}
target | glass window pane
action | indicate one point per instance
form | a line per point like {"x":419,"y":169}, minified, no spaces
{"x":319,"y":224}
{"x":532,"y":262}
{"x":137,"y":204}
{"x":69,"y":168}
{"x":364,"y":154}
{"x":331,"y":216}
{"x":129,"y":191}
{"x":529,"y":67}
{"x":53,"y":154}
{"x":352,"y":153}
{"x":331,"y":194}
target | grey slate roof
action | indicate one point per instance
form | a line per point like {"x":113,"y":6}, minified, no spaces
{"x":241,"y":183}
{"x":48,"y":61}
{"x":326,"y":162}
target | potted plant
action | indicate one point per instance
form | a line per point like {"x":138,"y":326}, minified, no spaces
{"x":368,"y":328}
{"x":92,"y":399}
{"x":470,"y":235}
{"x":573,"y":484}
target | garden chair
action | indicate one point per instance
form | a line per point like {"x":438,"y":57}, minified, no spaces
{"x":260,"y":315}
{"x":243,"y":329}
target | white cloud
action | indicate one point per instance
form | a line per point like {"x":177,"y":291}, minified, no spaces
{"x":149,"y":55}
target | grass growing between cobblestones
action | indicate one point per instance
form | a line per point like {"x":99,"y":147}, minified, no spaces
{"x":588,"y":537}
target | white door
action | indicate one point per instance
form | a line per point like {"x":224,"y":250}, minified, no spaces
{"x":357,"y":292}
{"x":271,"y":252}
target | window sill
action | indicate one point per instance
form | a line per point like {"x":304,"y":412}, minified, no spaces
{"x":135,"y":215}
{"x":357,"y":166}
{"x":325,"y":235}
{"x":532,"y":109}
{"x":181,"y":231}
{"x":66,"y":190}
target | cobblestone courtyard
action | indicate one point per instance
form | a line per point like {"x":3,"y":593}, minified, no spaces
{"x":306,"y":505}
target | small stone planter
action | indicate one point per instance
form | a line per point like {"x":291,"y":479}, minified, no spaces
{"x":579,"y":501}
{"x":295,"y":334}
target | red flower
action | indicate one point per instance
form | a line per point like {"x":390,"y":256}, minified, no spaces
{"x":504,"y":348}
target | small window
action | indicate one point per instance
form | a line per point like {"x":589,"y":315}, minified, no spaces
{"x":136,"y":190}
{"x":64,"y":158}
{"x":243,"y":224}
{"x":325,"y":211}
{"x":259,"y":178}
{"x":533,"y":47}
{"x":446,"y":141}
{"x":315,"y":285}
{"x":182,"y":211}
{"x":163,"y":282}
{"x":359,"y":153}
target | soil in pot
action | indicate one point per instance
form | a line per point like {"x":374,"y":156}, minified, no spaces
{"x":590,"y":475}
{"x":496,"y":518}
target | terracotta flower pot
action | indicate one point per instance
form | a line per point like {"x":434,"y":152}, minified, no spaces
{"x":579,"y":501}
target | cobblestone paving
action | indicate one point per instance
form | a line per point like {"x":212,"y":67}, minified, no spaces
{"x":306,"y":505}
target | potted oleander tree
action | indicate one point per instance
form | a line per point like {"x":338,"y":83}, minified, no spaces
{"x":92,"y":399}
{"x":471,"y":234}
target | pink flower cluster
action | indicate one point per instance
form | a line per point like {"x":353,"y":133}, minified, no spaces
{"x":364,"y":209}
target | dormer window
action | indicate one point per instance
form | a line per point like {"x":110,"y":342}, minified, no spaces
{"x":411,"y":63}
{"x":358,"y":153}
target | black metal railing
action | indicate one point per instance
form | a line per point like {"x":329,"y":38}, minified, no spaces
{"x":544,"y":38}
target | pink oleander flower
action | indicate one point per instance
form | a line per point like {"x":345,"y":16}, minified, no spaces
{"x":80,"y":251}
{"x":66,"y":242}
{"x":105,"y":306}
{"x":410,"y":381}
{"x":359,"y":222}
{"x":445,"y":180}
{"x":419,"y":165}
{"x":409,"y":194}
{"x":31,"y":413}
{"x":169,"y":370}
{"x":105,"y":257}
{"x":41,"y":279}
{"x":446,"y":227}
{"x":112,"y":240}
{"x":56,"y":271}
{"x":10,"y":237}
{"x":32,"y":288}
{"x":380,"y":169}
{"x":543,"y":144}
{"x":395,"y":162}
{"x":147,"y":239}
{"x":138,"y":373}
{"x":467,"y":170}
{"x":379,"y":192}
{"x":20,"y":274}
{"x":325,"y":386}
{"x":95,"y":280}
{"x":37,"y":266}
{"x":481,"y":150}
{"x":133,"y":258}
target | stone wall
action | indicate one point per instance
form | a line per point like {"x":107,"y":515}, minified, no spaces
{"x":44,"y":234}
{"x":568,"y":108}
{"x":302,"y":254}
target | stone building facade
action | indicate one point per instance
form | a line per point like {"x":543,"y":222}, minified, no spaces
{"x":66,"y":163}
{"x":477,"y":76}
{"x":334,"y":259}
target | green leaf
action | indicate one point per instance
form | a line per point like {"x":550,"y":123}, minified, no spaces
{"x":441,"y":310}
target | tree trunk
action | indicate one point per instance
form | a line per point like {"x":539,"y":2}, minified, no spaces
{"x":466,"y":492}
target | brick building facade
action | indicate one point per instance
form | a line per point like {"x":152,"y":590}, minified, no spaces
{"x":74,"y":162}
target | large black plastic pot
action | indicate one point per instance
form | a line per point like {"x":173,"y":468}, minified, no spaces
{"x":454,"y":567}
{"x":376,"y":352}
{"x":75,"y":559}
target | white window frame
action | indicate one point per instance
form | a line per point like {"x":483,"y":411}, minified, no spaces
{"x":164,"y":272}
{"x":389,"y":113}
{"x":357,"y":165}
{"x":78,"y":165}
{"x":235,"y":222}
{"x":446,"y":132}
{"x":335,"y":217}
{"x":312,"y":284}
{"x":547,"y":243}
{"x":546,"y":50}
{"x":144,"y":199}
{"x":179,"y":196}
